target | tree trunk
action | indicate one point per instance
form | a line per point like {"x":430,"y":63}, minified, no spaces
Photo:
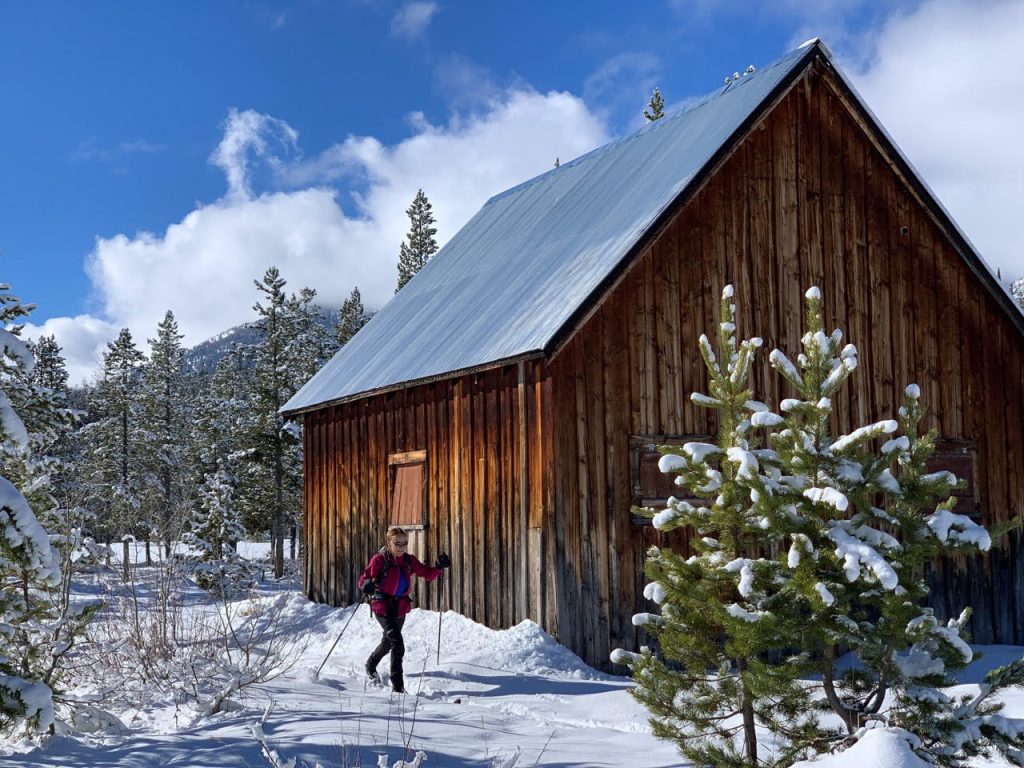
{"x":125,"y":565}
{"x":278,"y":509}
{"x":149,"y":558}
{"x":747,"y":710}
{"x":291,"y":544}
{"x":847,"y":715}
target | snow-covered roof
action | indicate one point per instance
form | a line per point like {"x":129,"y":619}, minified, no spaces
{"x":509,"y":280}
{"x":519,"y":274}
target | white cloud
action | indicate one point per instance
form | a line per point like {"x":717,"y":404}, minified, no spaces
{"x":202,"y":267}
{"x":249,"y":134}
{"x":413,"y":18}
{"x":946,"y":82}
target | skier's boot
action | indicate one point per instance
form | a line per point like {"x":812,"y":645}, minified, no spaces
{"x":371,"y":673}
{"x":398,"y":683}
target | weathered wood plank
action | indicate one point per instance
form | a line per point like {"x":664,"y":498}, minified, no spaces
{"x":786,"y":228}
{"x":764,"y":317}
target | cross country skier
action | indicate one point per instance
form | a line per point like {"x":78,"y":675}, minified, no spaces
{"x":387,"y":579}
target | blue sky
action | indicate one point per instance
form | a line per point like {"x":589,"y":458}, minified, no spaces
{"x":160,"y":156}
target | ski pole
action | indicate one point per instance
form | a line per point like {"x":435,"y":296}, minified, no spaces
{"x":440,"y":605}
{"x":337,"y":640}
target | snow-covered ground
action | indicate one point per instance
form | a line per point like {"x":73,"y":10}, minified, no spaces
{"x":497,"y":699}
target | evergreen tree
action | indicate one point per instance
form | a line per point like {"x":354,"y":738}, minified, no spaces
{"x":420,"y":244}
{"x":165,"y":413}
{"x":718,"y":632}
{"x":850,"y":520}
{"x":28,"y":565}
{"x":310,"y":343}
{"x":271,"y":488}
{"x":50,"y":370}
{"x":351,"y":318}
{"x":866,"y":525}
{"x":212,"y":533}
{"x":1017,"y":289}
{"x":655,"y":107}
{"x":224,"y":404}
{"x":113,"y":461}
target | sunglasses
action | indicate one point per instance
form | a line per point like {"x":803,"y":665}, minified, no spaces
{"x":400,"y":543}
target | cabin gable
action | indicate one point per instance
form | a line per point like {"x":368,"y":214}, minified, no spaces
{"x":809,"y":197}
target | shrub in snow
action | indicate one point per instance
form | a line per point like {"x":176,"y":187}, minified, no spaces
{"x":849,"y":517}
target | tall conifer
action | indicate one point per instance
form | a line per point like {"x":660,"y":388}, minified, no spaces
{"x":165,"y":415}
{"x":116,"y":475}
{"x":271,"y":489}
{"x":351,"y":318}
{"x":419,"y":244}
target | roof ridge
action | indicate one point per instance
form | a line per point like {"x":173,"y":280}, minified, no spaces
{"x":688,"y":107}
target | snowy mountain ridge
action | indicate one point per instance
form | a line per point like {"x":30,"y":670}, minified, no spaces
{"x":205,"y":355}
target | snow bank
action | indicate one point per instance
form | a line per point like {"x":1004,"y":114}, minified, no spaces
{"x":877,"y":748}
{"x":525,"y":647}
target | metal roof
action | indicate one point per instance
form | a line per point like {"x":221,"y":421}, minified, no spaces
{"x":509,"y":281}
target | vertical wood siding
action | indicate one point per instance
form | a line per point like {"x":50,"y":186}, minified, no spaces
{"x":470,"y":429}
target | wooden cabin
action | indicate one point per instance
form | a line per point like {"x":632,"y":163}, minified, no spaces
{"x":506,"y":404}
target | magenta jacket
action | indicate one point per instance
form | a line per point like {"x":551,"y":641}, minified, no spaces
{"x":404,"y":566}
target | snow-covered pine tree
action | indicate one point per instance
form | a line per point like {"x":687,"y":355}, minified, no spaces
{"x":50,"y":370}
{"x":1017,"y":289}
{"x":419,"y":244}
{"x":655,"y":107}
{"x":45,"y":406}
{"x":860,"y":513}
{"x":115,"y":444}
{"x":711,"y":687}
{"x":271,"y":490}
{"x":311,"y":344}
{"x":165,"y":414}
{"x":212,"y":533}
{"x":28,"y":564}
{"x":351,"y":318}
{"x":851,"y":517}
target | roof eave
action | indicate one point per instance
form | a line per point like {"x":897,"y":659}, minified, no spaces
{"x":526,"y":356}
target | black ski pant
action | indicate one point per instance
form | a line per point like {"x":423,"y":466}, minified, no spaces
{"x":391,"y":641}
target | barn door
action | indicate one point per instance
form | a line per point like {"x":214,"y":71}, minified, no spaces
{"x":408,"y":490}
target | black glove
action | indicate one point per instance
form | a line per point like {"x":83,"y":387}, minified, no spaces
{"x":369,"y":587}
{"x":443,"y":561}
